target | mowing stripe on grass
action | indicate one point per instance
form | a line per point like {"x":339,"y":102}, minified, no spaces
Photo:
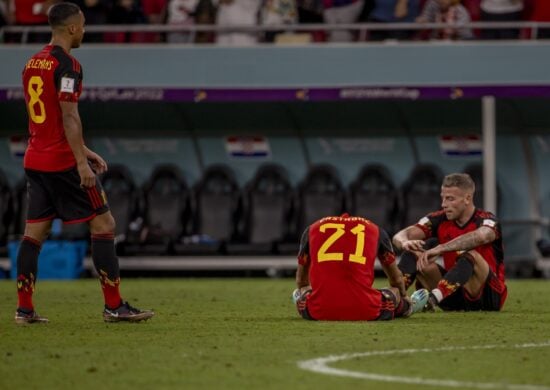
{"x":321,"y":365}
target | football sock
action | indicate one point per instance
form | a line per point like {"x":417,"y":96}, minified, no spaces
{"x":402,"y":307}
{"x":27,"y":265}
{"x":456,"y":277}
{"x":407,"y":266}
{"x":106,"y":265}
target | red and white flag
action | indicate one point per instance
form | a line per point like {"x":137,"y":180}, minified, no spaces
{"x":247,"y":146}
{"x":458,"y":145}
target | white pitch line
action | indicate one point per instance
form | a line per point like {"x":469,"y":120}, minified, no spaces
{"x":321,"y":365}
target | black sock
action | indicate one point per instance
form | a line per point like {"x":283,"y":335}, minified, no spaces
{"x":27,"y":267}
{"x":27,"y":257}
{"x":402,"y":308}
{"x":407,"y":266}
{"x":458,"y":275}
{"x":104,"y":256}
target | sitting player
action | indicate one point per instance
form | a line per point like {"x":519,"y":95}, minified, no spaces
{"x":470,"y":241}
{"x":336,"y":272}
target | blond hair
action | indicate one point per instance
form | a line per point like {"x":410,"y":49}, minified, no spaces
{"x":460,"y":180}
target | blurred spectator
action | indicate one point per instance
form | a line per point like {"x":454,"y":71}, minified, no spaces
{"x":447,"y":11}
{"x":311,"y":12}
{"x":95,"y":12}
{"x":125,"y":12}
{"x":393,"y":11}
{"x":341,"y":12}
{"x":501,"y":11}
{"x":541,"y":13}
{"x":155,"y":13}
{"x":31,"y":13}
{"x":5,"y":17}
{"x":205,"y":14}
{"x":181,"y":13}
{"x":237,"y":13}
{"x":277,"y":13}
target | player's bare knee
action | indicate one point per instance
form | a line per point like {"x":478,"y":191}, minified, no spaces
{"x":481,"y":267}
{"x":103,"y":224}
{"x":38,"y":231}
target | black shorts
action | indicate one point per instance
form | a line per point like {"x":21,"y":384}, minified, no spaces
{"x":59,"y":195}
{"x":490,"y":299}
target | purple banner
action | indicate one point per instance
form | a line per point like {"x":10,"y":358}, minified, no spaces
{"x":296,"y":94}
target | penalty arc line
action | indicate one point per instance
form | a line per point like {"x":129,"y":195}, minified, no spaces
{"x":321,"y":365}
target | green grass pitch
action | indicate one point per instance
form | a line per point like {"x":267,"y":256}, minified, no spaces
{"x":245,"y":333}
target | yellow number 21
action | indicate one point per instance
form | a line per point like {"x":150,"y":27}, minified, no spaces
{"x":37,"y":112}
{"x":339,"y":231}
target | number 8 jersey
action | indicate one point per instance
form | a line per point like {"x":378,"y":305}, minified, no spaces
{"x":341,"y":252}
{"x":50,"y":77}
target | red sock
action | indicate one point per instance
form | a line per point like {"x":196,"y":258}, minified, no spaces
{"x":25,"y":288}
{"x":110,"y":289}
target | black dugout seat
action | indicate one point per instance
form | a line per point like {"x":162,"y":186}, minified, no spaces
{"x":6,"y":211}
{"x":421,"y":193}
{"x":373,"y":195}
{"x":267,"y":206}
{"x":124,"y":200}
{"x":320,"y":194}
{"x":215,"y":205}
{"x":166,"y":209}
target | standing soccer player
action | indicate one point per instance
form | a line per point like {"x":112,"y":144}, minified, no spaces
{"x":470,"y":241}
{"x":336,"y":272}
{"x":61,"y":170}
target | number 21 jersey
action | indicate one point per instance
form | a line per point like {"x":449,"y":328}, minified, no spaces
{"x":341,"y":251}
{"x":50,"y":77}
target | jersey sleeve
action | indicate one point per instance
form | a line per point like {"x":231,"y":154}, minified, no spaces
{"x":490,"y":221}
{"x":386,"y":255}
{"x":68,"y":80}
{"x":303,"y":252}
{"x":430,"y":223}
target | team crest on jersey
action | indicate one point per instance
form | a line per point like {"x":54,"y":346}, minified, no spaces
{"x":67,"y":84}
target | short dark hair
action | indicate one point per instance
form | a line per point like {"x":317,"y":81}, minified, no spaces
{"x":60,"y":12}
{"x":460,"y":180}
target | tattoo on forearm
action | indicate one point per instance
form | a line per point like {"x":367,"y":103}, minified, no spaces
{"x":469,"y":240}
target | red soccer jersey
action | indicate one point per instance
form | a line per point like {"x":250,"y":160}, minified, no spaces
{"x":49,"y":77}
{"x":342,"y":251}
{"x":437,"y":225}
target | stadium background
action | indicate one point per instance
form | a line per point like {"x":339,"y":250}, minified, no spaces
{"x":399,"y":105}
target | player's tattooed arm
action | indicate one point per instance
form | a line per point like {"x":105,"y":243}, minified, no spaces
{"x":481,"y":236}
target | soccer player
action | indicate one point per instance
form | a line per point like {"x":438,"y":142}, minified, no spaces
{"x":470,"y":241}
{"x":336,"y":272}
{"x":61,"y":170}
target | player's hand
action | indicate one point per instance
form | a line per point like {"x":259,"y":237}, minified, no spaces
{"x":98,"y":164}
{"x":427,"y":258}
{"x":399,"y":283}
{"x":413,"y":245}
{"x":87,"y":176}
